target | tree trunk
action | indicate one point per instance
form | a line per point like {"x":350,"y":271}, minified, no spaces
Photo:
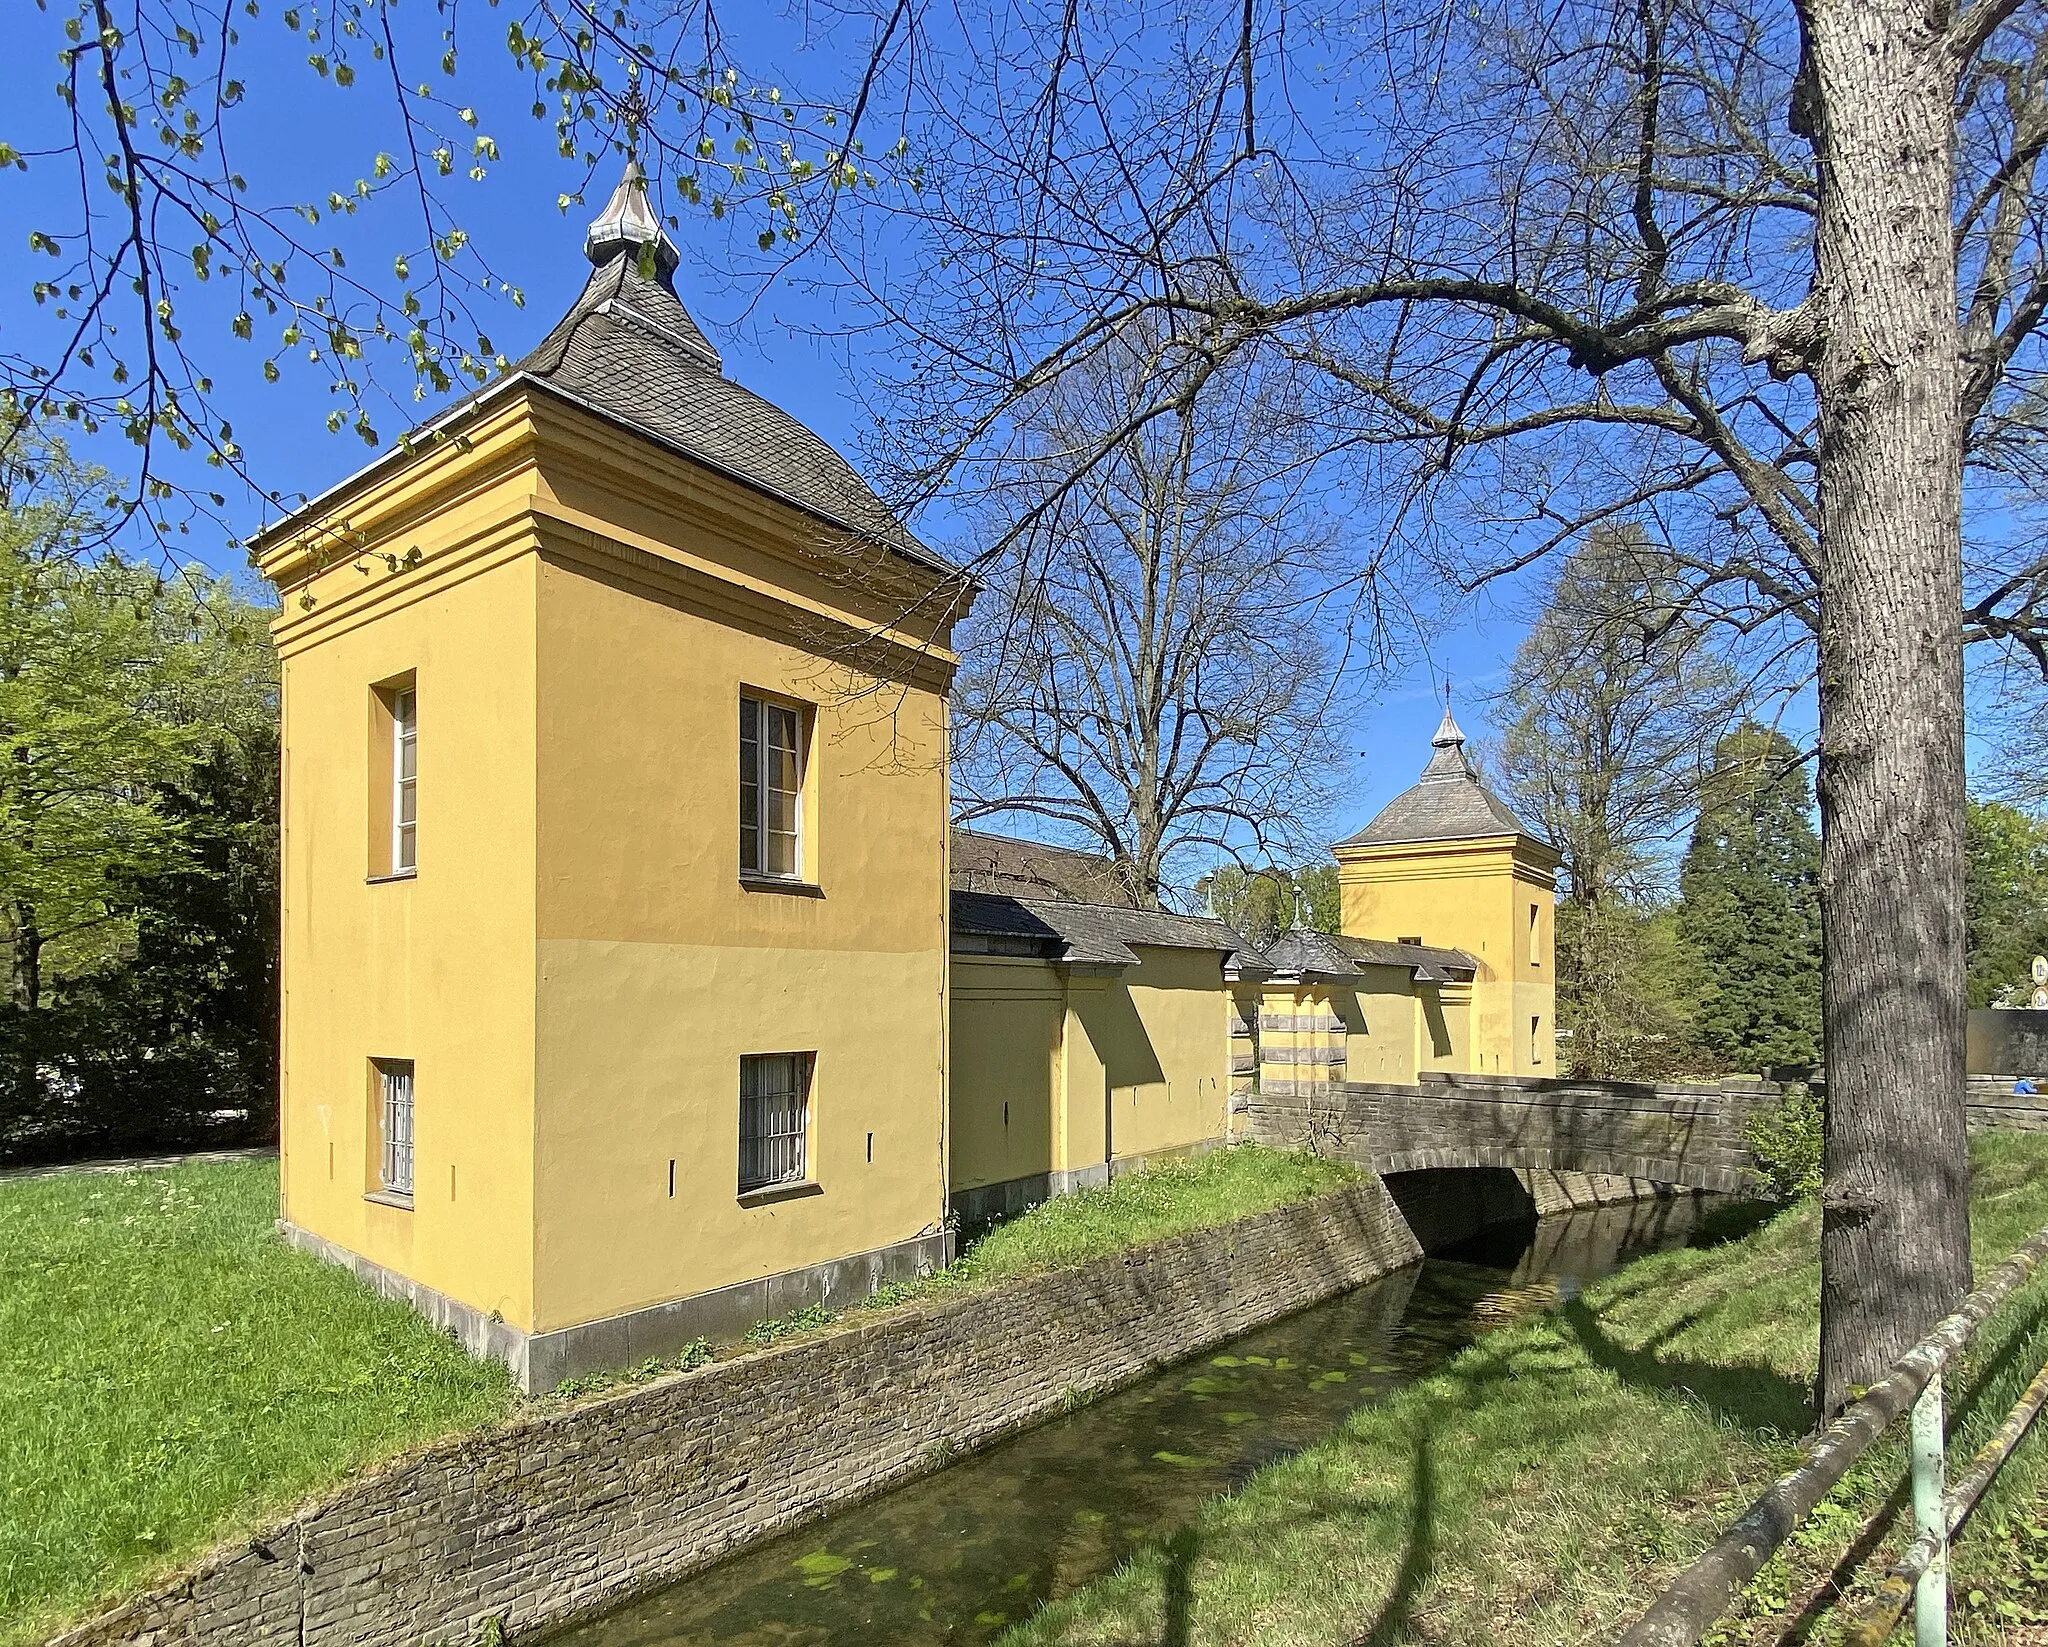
{"x":1895,"y":1236}
{"x":28,"y":958}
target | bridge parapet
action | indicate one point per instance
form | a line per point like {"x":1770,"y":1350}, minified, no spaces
{"x":1689,"y":1134}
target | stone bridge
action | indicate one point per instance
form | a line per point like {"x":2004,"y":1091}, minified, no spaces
{"x":1686,"y":1135}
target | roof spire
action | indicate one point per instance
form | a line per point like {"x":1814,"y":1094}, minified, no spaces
{"x":1447,"y":734}
{"x":1449,"y":743}
{"x":628,"y":223}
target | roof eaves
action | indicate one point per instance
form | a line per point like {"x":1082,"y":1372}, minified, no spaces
{"x":909,"y":548}
{"x":406,"y":446}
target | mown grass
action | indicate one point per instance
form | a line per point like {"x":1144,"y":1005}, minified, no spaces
{"x":1198,"y":1192}
{"x":1544,"y":1484}
{"x":1171,"y":1198}
{"x":171,"y":1372}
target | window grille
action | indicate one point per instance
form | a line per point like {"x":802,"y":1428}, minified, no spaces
{"x":771,"y":789}
{"x":774,"y":1116}
{"x":405,"y":767}
{"x":396,"y":1177}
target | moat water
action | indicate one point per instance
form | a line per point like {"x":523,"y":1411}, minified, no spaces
{"x":958,"y":1556}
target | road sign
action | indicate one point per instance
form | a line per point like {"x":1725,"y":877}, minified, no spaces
{"x":2041,"y":969}
{"x":2041,"y":999}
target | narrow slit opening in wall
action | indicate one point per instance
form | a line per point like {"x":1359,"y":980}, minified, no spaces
{"x":671,"y":1177}
{"x":871,"y":1149}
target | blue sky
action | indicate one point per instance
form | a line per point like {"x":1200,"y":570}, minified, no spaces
{"x":299,"y":135}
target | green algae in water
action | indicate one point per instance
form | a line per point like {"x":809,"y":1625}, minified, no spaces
{"x":881,"y":1575}
{"x":1185,"y":1461}
{"x":822,"y":1564}
{"x":1235,"y":1418}
{"x":1226,"y":1361}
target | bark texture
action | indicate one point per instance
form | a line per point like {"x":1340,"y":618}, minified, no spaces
{"x":1895,"y":1248}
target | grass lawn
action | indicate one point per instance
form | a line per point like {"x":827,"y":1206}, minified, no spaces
{"x":1543,"y":1485}
{"x":1199,"y":1192}
{"x":172,"y":1373}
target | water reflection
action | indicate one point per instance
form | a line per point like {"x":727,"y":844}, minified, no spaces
{"x":958,"y":1556}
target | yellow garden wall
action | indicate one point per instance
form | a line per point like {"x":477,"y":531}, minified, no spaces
{"x":1008,"y":1016}
{"x":1166,"y":1044}
{"x":1381,"y":1014}
{"x":1060,"y":1070}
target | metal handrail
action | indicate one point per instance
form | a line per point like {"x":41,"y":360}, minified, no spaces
{"x":1703,"y":1592}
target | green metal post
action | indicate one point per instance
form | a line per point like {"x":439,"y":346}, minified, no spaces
{"x":1930,"y":1516}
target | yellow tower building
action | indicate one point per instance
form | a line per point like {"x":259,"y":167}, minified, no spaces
{"x":615,"y":857}
{"x":1447,"y":864}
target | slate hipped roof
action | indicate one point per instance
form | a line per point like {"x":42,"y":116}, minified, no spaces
{"x":1094,"y":934}
{"x":1031,"y":869}
{"x":628,"y":350}
{"x":1300,"y":953}
{"x":1448,"y":803}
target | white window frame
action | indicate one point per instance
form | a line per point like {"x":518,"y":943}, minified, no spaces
{"x":754,"y":774}
{"x":405,"y":739}
{"x":775,"y":1123}
{"x":396,"y":1117}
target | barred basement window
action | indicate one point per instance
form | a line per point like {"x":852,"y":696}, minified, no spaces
{"x":771,"y":789}
{"x":395,"y":1174}
{"x":775,"y":1093}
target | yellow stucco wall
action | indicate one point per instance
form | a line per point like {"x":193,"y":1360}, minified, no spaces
{"x":1008,"y":1016}
{"x":576,"y":970}
{"x":1380,"y":1015}
{"x":439,"y":968}
{"x":1166,"y":1045}
{"x":1476,"y":896}
{"x":659,"y":969}
{"x":1091,"y":1064}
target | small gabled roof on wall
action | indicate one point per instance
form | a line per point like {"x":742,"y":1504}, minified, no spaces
{"x":1448,"y":803}
{"x":1327,"y":957}
{"x":1088,"y":934}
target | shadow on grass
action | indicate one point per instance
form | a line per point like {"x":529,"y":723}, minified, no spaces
{"x":1181,"y":1551}
{"x":1394,"y":1623}
{"x":1418,"y":1555}
{"x":1755,"y":1398}
{"x":1734,"y":1222}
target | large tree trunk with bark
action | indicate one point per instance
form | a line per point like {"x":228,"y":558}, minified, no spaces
{"x":1895,"y":1237}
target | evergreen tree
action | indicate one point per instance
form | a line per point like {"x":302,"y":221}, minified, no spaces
{"x":1750,"y":905}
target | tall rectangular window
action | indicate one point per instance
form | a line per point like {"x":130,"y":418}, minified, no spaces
{"x":405,"y":777}
{"x":1535,"y":934}
{"x":775,"y":1101}
{"x":771,"y":789}
{"x":394,"y":1076}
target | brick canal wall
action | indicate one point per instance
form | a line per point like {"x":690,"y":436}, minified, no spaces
{"x":1690,"y":1135}
{"x":555,"y":1513}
